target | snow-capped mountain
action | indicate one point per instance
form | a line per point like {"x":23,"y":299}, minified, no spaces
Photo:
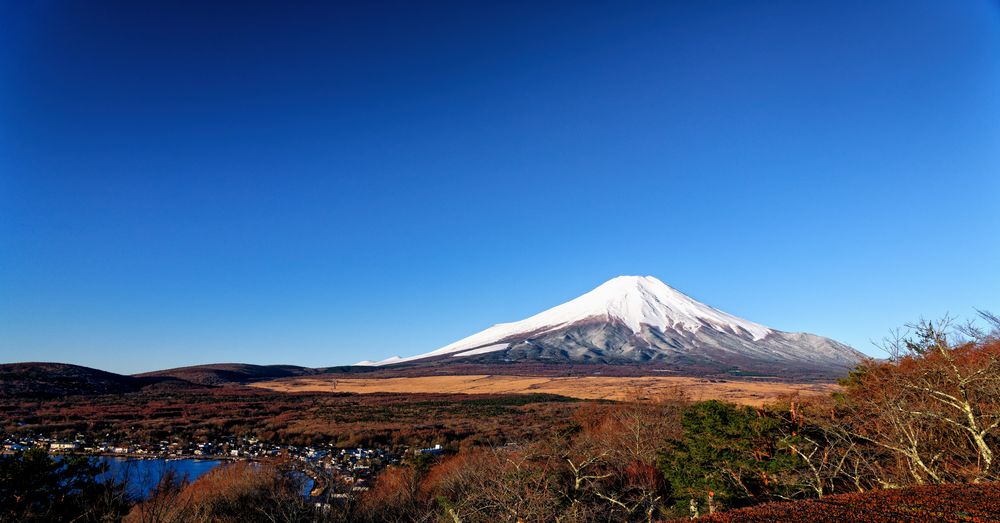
{"x":636,"y":319}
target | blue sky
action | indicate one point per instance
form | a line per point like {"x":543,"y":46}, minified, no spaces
{"x":184,"y":184}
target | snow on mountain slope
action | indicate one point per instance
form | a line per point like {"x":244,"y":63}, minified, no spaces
{"x":637,"y":318}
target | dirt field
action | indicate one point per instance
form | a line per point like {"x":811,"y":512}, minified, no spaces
{"x":745,"y":392}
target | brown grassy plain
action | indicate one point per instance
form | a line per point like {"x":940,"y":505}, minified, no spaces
{"x":746,"y":392}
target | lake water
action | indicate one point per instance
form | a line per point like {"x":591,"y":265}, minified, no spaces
{"x":143,"y":475}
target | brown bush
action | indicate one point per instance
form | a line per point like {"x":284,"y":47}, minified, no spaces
{"x":933,"y":409}
{"x":238,"y":492}
{"x":393,"y":497}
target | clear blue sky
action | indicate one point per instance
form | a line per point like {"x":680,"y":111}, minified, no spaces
{"x":184,"y":184}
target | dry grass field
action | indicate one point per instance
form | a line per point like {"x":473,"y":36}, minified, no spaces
{"x":746,"y":392}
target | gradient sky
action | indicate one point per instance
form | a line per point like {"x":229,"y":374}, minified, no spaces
{"x":185,"y":183}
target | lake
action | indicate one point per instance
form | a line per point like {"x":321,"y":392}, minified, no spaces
{"x":142,"y":475}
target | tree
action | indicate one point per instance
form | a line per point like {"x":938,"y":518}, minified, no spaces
{"x":830,"y":458}
{"x":728,"y":456}
{"x":500,"y":484}
{"x":236,"y":492}
{"x":36,"y":487}
{"x":934,"y":405}
{"x":611,"y":463}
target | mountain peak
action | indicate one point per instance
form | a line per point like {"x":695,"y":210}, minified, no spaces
{"x":640,"y":319}
{"x":645,"y":300}
{"x":634,"y":301}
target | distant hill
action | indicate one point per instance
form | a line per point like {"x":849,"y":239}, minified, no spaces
{"x":227,"y":373}
{"x":47,"y":380}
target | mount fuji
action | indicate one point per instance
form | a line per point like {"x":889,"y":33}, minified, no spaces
{"x":641,"y":320}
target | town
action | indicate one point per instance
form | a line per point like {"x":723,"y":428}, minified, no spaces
{"x":332,"y":471}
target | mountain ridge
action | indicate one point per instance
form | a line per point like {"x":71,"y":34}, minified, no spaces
{"x":51,"y":379}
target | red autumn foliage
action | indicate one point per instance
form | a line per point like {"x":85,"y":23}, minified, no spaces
{"x":347,"y":420}
{"x":932,"y":409}
{"x":232,"y":493}
{"x":924,"y":504}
